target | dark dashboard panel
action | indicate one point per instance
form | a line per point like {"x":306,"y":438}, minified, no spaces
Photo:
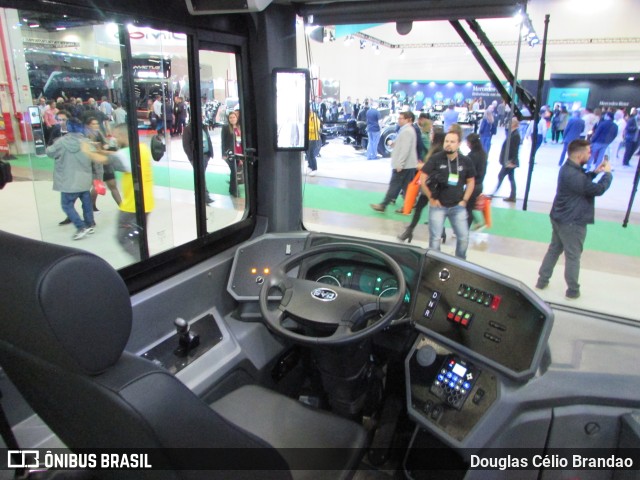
{"x":482,"y":314}
{"x":254,"y":261}
{"x":372,"y":276}
{"x":360,"y":276}
{"x":356,"y":276}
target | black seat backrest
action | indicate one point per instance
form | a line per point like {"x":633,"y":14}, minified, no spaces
{"x":66,"y":317}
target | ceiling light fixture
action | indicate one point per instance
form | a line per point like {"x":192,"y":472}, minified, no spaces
{"x":527,"y":31}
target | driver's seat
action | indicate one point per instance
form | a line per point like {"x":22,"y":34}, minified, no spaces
{"x":66,"y":318}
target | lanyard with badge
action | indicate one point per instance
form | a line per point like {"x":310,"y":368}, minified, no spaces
{"x":453,"y":176}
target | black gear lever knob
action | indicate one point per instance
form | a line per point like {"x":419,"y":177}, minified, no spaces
{"x":182,"y":326}
{"x":426,"y":355}
{"x":186,"y":339}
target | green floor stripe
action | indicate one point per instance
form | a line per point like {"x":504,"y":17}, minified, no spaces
{"x":603,"y":236}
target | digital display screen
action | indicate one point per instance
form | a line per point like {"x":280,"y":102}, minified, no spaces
{"x":292,"y":108}
{"x":34,"y":116}
{"x":459,"y":370}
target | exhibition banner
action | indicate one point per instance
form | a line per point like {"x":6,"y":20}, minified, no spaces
{"x":572,"y":98}
{"x":425,"y":93}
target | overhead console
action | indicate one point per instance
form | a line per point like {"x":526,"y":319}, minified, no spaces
{"x":482,"y":314}
{"x":477,"y":326}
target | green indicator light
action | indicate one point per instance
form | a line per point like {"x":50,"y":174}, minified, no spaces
{"x":349,"y":274}
{"x":378,"y":279}
{"x":377,"y":289}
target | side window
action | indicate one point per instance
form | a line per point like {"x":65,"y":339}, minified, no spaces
{"x":159,"y":65}
{"x":223,"y":140}
{"x":78,"y":182}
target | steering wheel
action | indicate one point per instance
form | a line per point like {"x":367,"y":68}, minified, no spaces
{"x":320,"y":305}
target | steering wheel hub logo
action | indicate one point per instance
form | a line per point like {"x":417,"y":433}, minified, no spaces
{"x":324,"y":294}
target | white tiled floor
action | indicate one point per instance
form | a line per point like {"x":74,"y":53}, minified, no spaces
{"x":32,"y":209}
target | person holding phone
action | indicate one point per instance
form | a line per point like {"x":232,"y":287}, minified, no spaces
{"x":571,"y":212}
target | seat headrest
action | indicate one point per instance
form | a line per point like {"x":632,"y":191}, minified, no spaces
{"x":64,"y":305}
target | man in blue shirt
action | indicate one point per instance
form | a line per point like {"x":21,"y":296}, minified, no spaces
{"x":572,"y":210}
{"x":572,"y":132}
{"x":373,"y":132}
{"x":604,"y":134}
{"x":449,"y":117}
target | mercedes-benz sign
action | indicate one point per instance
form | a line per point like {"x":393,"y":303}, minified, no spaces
{"x":324,"y":294}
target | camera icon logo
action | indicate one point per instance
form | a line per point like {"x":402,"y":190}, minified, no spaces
{"x":23,"y":459}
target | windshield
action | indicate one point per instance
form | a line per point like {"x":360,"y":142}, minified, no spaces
{"x":421,"y":73}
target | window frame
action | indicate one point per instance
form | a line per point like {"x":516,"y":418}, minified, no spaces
{"x":151,"y":270}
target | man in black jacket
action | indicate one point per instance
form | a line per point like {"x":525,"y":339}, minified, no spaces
{"x":572,"y":210}
{"x":509,"y":160}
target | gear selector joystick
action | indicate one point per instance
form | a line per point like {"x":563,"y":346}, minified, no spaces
{"x":187,"y":340}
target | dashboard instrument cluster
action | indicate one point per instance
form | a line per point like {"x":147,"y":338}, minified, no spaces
{"x":360,"y":276}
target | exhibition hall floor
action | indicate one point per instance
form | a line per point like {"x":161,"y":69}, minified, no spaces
{"x":517,"y":242}
{"x":337,"y":200}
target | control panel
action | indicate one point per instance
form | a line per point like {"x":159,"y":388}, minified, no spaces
{"x":454,"y":381}
{"x":482,"y":315}
{"x":447,"y":392}
{"x":254,"y":261}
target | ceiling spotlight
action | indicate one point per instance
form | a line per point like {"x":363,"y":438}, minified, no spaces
{"x":526,"y":28}
{"x":315,"y":33}
{"x":404,"y":28}
{"x":363,"y":44}
{"x":376,"y":49}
